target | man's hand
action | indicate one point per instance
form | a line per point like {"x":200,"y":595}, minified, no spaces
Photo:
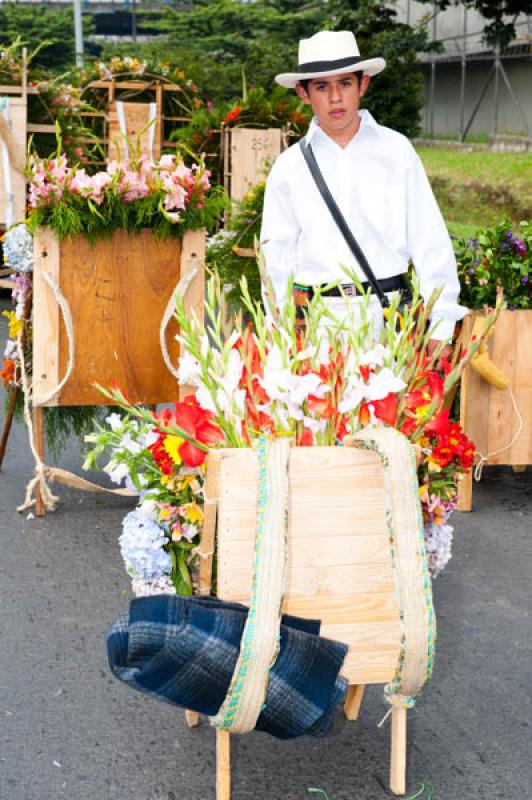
{"x":445,"y":355}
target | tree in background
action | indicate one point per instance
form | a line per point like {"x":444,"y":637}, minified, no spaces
{"x":36,"y":24}
{"x":224,"y":44}
{"x":497,"y":31}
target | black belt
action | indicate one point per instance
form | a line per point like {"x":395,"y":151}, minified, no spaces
{"x":394,"y":284}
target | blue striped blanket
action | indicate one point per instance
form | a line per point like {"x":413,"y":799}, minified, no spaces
{"x":184,"y":650}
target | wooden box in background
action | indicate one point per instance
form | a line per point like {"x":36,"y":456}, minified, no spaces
{"x":487,"y":414}
{"x":117,"y":291}
{"x":246,"y":154}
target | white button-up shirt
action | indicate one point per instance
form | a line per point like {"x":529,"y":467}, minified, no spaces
{"x":379,"y":183}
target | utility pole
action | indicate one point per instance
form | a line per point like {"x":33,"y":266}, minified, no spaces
{"x":78,"y":31}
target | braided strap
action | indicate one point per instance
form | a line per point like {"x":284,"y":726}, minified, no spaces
{"x":409,"y":558}
{"x":259,"y":646}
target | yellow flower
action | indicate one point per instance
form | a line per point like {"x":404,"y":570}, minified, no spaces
{"x":424,"y":493}
{"x":192,"y":512}
{"x":433,"y":465}
{"x":172,"y":445}
{"x":15,"y":325}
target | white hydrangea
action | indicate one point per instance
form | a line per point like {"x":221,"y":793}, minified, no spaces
{"x":18,"y":248}
{"x":141,"y":546}
{"x":439,"y":539}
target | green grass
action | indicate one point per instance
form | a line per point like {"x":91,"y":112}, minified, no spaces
{"x":478,"y":189}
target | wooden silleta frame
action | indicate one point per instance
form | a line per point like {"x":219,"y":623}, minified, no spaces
{"x":117,"y":291}
{"x":97,"y":315}
{"x":347,"y":567}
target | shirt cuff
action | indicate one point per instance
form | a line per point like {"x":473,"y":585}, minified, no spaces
{"x":443,"y":330}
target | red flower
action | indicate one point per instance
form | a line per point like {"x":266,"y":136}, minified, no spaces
{"x":321,"y":405}
{"x":306,"y":439}
{"x":385,"y":410}
{"x":197,"y":423}
{"x":233,"y":115}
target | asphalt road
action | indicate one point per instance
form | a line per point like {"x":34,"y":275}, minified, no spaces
{"x":69,"y":730}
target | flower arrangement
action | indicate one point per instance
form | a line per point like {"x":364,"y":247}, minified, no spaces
{"x":160,"y":537}
{"x":257,"y":109}
{"x":499,"y":257}
{"x":17,"y":245}
{"x":168,"y":197}
{"x":240,"y":233}
{"x":316,"y":385}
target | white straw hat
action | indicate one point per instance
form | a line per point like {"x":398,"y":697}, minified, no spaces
{"x":329,"y":53}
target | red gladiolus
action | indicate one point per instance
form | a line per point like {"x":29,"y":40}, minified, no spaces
{"x":306,"y":439}
{"x":321,"y":405}
{"x":385,"y":410}
{"x":197,"y":423}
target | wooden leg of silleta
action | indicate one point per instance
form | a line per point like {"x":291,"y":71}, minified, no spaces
{"x":38,"y":433}
{"x":10,"y":413}
{"x":398,"y":751}
{"x":465,"y":493}
{"x":223,"y":765}
{"x":192,"y":718}
{"x":519,"y":468}
{"x":353,"y":701}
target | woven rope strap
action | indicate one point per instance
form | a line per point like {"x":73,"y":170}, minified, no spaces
{"x":409,"y":557}
{"x":259,"y":646}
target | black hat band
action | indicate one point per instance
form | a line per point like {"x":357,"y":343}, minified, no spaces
{"x":328,"y":66}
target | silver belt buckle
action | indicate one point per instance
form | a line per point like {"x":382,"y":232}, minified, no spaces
{"x":349,"y":289}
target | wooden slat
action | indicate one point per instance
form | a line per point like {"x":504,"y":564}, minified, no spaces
{"x":363,"y":578}
{"x":193,"y":254}
{"x":370,"y":667}
{"x":344,"y":609}
{"x":374,"y":636}
{"x":46,"y":257}
{"x":475,"y":396}
{"x":333,"y":551}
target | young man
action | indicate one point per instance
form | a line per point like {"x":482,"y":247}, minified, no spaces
{"x":375,"y":177}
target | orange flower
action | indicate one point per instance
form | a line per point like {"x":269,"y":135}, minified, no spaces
{"x":8,"y":373}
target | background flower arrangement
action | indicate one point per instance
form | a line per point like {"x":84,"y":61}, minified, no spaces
{"x":497,"y":258}
{"x":241,"y":232}
{"x":256,"y":109}
{"x":168,"y":197}
{"x":317,"y":386}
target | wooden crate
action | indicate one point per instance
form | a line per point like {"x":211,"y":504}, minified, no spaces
{"x":117,"y":292}
{"x":486,"y":413}
{"x":345,"y":517}
{"x":136,"y":118}
{"x":340,"y":568}
{"x":18,"y":109}
{"x":246,"y":152}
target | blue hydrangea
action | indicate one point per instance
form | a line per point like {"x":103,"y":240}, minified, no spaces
{"x":141,"y":545}
{"x":18,"y":248}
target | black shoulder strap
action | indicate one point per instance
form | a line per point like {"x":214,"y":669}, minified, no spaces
{"x":338,"y":217}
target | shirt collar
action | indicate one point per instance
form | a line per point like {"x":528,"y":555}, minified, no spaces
{"x":367,"y":124}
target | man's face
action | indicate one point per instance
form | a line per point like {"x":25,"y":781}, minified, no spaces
{"x":335,"y":101}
